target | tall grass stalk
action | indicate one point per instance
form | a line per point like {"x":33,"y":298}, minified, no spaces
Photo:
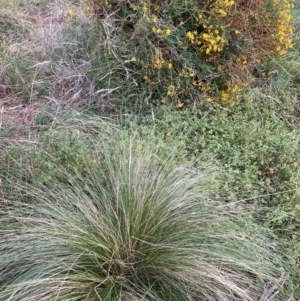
{"x":134,"y":227}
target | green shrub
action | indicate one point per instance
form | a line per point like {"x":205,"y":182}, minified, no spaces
{"x":189,"y":51}
{"x":133,"y":228}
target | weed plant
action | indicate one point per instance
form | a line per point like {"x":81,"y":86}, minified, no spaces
{"x":257,"y":144}
{"x":134,"y":227}
{"x":189,"y":51}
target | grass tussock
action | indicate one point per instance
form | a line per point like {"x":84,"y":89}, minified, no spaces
{"x":132,"y":228}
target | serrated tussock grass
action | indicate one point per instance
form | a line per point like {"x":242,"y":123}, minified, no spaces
{"x":134,"y":227}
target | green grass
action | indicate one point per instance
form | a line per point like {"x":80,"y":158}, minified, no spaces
{"x":86,"y":157}
{"x":128,"y":226}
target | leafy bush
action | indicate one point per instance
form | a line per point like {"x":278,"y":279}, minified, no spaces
{"x":187,"y":51}
{"x":132,"y":228}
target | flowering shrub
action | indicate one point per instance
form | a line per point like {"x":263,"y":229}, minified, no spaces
{"x":187,"y":51}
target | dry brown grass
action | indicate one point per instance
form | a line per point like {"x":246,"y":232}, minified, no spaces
{"x":33,"y":66}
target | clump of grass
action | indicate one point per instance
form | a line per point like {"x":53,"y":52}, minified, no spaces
{"x":134,"y":227}
{"x":256,"y":144}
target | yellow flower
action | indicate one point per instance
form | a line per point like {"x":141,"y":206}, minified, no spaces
{"x":190,"y":35}
{"x":180,"y":104}
{"x":171,"y":90}
{"x":206,"y":36}
{"x":154,"y":19}
{"x":133,"y":59}
{"x":156,"y":30}
{"x":229,"y":2}
{"x":222,"y":12}
{"x":235,"y":88}
{"x":168,"y":31}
